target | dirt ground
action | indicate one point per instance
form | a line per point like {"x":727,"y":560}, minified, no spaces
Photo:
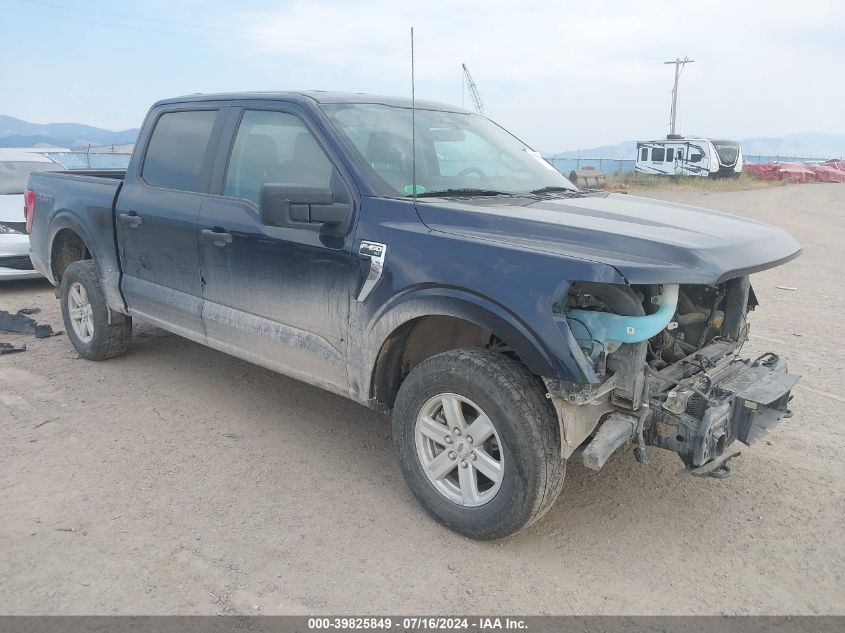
{"x":177,"y":479}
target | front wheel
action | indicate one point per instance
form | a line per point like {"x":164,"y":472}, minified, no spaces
{"x":86,"y":314}
{"x":478,"y":442}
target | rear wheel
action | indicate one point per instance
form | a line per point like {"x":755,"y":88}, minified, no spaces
{"x":478,"y":442}
{"x":86,"y":314}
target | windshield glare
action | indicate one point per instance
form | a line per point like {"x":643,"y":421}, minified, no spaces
{"x":454,"y":151}
{"x":14,"y":174}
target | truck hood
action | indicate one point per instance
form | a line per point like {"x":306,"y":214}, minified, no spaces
{"x":648,"y":241}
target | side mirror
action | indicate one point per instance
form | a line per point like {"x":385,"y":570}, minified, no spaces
{"x":300,"y":206}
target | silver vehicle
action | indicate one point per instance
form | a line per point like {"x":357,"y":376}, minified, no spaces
{"x":15,"y":167}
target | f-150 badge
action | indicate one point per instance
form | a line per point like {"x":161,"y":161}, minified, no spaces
{"x":376,"y":251}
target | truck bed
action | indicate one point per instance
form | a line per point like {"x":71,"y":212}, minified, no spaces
{"x":81,"y":201}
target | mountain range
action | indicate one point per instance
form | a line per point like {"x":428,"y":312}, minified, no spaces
{"x":802,"y":145}
{"x":17,"y":133}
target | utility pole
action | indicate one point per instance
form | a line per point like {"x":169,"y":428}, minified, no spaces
{"x":679,"y":66}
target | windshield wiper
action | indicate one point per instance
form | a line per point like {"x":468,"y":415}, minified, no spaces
{"x":466,"y":191}
{"x":555,"y":190}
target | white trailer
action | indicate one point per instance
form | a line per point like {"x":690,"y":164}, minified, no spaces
{"x":689,"y":157}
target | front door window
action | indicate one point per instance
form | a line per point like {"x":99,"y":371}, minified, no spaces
{"x":274,"y":147}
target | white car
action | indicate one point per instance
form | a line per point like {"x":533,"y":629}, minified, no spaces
{"x":15,"y":166}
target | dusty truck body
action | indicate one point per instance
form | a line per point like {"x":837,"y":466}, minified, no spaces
{"x":458,"y":281}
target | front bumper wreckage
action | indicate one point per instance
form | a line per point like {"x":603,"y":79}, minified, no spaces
{"x":703,"y":414}
{"x":697,"y":408}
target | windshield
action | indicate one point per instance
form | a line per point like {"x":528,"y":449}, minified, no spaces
{"x":455,"y":152}
{"x":14,"y":174}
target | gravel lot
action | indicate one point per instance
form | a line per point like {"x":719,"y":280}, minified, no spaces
{"x":177,"y":479}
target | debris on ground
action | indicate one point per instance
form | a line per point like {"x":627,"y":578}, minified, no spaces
{"x":47,"y":421}
{"x":11,"y":348}
{"x":786,"y":287}
{"x":588,"y":178}
{"x":20,"y":321}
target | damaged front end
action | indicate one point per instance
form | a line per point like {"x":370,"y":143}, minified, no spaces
{"x":666,"y":359}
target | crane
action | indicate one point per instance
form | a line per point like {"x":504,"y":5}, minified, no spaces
{"x":473,"y":91}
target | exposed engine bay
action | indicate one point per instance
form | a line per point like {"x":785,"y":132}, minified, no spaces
{"x":670,"y":375}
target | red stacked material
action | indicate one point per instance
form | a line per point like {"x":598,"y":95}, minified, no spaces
{"x":763,"y":171}
{"x":796,"y":172}
{"x":830,"y":171}
{"x":826,"y":173}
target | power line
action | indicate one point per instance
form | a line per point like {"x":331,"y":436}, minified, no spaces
{"x":345,"y":48}
{"x":189,"y":25}
{"x":219,"y":33}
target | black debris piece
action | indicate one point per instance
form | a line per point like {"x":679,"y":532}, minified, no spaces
{"x":11,"y":348}
{"x":20,"y":322}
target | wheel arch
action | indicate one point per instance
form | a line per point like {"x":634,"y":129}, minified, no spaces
{"x":419,"y":327}
{"x":70,"y":240}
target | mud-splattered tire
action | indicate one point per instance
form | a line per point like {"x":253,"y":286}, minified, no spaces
{"x":523,"y":438}
{"x":86,"y":314}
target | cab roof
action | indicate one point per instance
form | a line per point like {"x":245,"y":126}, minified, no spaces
{"x":315,"y":97}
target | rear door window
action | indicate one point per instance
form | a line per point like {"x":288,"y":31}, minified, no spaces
{"x":177,"y":148}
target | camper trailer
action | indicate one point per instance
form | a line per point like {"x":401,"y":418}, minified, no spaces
{"x":689,"y":157}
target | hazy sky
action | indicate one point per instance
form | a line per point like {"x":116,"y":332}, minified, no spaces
{"x":561,"y":75}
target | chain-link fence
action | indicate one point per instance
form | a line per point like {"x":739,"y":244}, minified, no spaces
{"x":90,"y":160}
{"x":783,"y":158}
{"x":609,"y":166}
{"x":616,"y":166}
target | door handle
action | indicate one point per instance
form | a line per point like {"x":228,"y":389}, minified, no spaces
{"x":218,"y":237}
{"x":132,"y":219}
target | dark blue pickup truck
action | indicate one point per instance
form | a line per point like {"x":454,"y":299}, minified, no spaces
{"x":450,"y":276}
